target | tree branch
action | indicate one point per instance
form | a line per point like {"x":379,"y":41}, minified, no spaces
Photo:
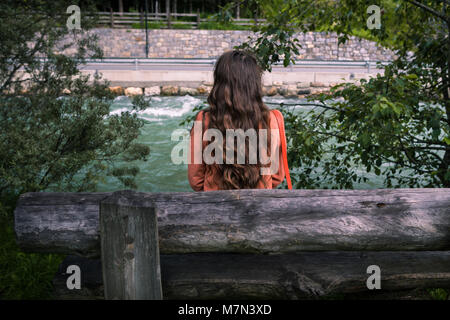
{"x":430,"y":10}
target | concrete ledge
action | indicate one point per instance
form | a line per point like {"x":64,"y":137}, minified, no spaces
{"x":286,"y":83}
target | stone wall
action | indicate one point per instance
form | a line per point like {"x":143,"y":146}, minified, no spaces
{"x":212,"y":43}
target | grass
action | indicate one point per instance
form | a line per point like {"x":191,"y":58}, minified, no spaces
{"x":210,"y":25}
{"x":23,"y":275}
{"x":439,"y":294}
{"x":150,"y":25}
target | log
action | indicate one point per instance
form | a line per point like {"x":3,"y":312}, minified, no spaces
{"x":305,"y":275}
{"x":59,"y":222}
{"x":130,"y":253}
{"x":248,"y":221}
{"x":91,"y":280}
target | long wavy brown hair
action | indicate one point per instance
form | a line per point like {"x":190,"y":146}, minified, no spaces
{"x":236,"y":103}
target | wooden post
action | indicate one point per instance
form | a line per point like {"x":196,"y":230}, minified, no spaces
{"x":129,"y":250}
{"x":120,"y":7}
{"x":111,"y":17}
{"x":198,"y":18}
{"x":168,"y":13}
{"x":174,"y":9}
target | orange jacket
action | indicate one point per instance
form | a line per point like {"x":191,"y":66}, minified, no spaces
{"x":201,"y":181}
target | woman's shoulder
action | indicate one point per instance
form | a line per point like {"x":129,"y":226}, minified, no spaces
{"x":275,"y":116}
{"x":202,"y":114}
{"x":276,"y":113}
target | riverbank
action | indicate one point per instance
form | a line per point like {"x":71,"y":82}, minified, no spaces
{"x":300,"y":90}
{"x":180,"y":77}
{"x":277,"y":88}
{"x":195,"y":77}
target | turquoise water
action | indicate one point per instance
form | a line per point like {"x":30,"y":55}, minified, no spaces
{"x":161,"y":119}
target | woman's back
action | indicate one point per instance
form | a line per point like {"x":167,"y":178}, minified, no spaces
{"x":202,"y":179}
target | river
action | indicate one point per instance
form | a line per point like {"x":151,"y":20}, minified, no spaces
{"x":164,"y":116}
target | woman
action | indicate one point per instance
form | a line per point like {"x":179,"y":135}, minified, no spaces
{"x":235,"y":102}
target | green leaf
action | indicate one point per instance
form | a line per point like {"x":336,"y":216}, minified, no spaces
{"x":447,"y":140}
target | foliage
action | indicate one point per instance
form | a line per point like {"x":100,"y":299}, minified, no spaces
{"x":397,"y":124}
{"x":189,"y":119}
{"x":275,"y":41}
{"x":213,"y":25}
{"x":225,"y":13}
{"x":180,"y":26}
{"x":50,"y":140}
{"x":150,"y":25}
{"x":161,"y":25}
{"x":439,"y":294}
{"x":23,"y":276}
{"x":383,"y":125}
{"x":57,"y":132}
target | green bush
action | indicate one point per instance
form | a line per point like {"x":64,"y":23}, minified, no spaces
{"x":209,"y":25}
{"x":52,"y":139}
{"x":181,"y":26}
{"x":439,"y":294}
{"x":150,"y":25}
{"x":213,"y":25}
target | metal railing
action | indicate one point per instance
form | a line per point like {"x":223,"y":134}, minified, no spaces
{"x":211,"y":61}
{"x":146,"y":61}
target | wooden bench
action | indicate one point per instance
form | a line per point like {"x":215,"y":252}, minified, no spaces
{"x":270,"y":244}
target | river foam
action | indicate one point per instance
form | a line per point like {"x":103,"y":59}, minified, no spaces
{"x":160,"y":107}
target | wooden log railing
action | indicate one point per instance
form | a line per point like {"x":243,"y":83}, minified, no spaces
{"x":125,"y":19}
{"x":246,"y":243}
